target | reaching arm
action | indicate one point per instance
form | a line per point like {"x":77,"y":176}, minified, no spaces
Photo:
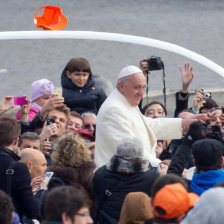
{"x":5,"y":104}
{"x":180,"y":159}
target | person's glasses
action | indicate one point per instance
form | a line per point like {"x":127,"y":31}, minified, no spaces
{"x":87,"y":126}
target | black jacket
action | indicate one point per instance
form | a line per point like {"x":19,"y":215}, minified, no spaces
{"x":181,"y":102}
{"x":21,"y":191}
{"x":200,"y":181}
{"x":88,"y":98}
{"x":110,"y":188}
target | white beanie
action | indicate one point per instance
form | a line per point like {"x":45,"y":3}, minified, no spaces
{"x":128,"y":70}
{"x":40,"y":88}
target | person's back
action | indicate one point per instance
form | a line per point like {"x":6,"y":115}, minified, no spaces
{"x":6,"y":208}
{"x":208,"y":209}
{"x":14,"y":176}
{"x":136,"y":208}
{"x":126,"y":172}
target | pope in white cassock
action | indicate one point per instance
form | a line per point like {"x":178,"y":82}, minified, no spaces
{"x":119,"y":117}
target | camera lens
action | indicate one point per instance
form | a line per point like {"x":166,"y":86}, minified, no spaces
{"x":207,"y":95}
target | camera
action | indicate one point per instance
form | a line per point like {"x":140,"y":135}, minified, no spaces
{"x":206,"y":95}
{"x":197,"y":131}
{"x":50,"y":121}
{"x":214,"y":132}
{"x":155,"y":63}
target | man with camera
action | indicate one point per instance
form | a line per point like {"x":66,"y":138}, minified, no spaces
{"x":206,"y":145}
{"x":120,"y":117}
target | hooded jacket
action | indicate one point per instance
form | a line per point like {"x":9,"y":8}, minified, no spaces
{"x":204,"y":181}
{"x":112,"y":182}
{"x":88,"y":98}
{"x":201,"y":181}
{"x":208,"y":209}
{"x":136,"y":209}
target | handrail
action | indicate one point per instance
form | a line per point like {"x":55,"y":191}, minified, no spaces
{"x":90,"y":35}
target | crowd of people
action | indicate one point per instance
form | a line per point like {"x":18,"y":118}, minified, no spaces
{"x":85,"y":157}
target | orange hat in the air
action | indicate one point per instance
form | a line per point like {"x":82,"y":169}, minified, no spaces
{"x":52,"y":18}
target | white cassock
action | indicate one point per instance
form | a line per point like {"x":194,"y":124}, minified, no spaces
{"x":117,"y":119}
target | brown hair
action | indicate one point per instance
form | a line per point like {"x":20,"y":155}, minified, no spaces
{"x":70,"y":151}
{"x":76,"y":114}
{"x":152,"y":103}
{"x":6,"y":208}
{"x":9,"y":130}
{"x":77,"y":65}
{"x":64,"y":109}
{"x":65,"y":199}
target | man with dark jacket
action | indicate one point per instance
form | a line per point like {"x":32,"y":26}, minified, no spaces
{"x":126,"y":172}
{"x":14,"y":176}
{"x":207,"y":157}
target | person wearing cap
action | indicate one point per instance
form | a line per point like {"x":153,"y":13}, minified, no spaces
{"x":41,"y":91}
{"x":119,"y":117}
{"x":79,"y":89}
{"x":126,"y":172}
{"x":207,"y":157}
{"x":171,"y":203}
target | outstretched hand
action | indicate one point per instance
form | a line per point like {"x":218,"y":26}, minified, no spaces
{"x":202,"y":118}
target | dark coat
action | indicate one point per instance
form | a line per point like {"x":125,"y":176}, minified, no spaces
{"x":88,"y":98}
{"x":82,"y":175}
{"x":200,"y":181}
{"x":111,"y":186}
{"x":181,"y":102}
{"x":21,"y":190}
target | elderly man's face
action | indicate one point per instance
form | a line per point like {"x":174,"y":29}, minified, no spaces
{"x":133,"y":88}
{"x":28,"y":143}
{"x":89,"y":123}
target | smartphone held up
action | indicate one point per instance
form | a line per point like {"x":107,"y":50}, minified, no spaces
{"x":23,"y":100}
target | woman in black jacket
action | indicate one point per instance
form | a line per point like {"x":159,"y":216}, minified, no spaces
{"x":79,"y":89}
{"x":126,"y":172}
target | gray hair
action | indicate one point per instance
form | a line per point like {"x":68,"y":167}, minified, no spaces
{"x":124,"y":80}
{"x":89,"y":114}
{"x":30,"y":136}
{"x":130,"y":148}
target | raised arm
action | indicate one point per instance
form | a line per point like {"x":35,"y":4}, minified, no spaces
{"x":182,"y":96}
{"x":6,"y":104}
